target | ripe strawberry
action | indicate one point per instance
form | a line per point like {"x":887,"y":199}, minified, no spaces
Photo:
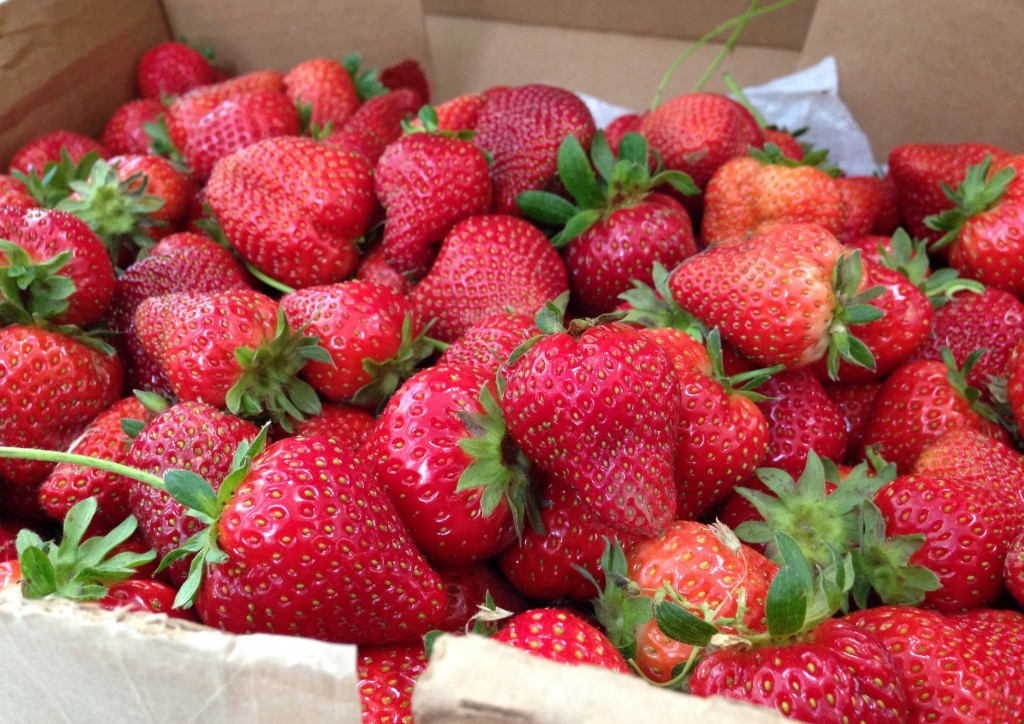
{"x":376,"y":124}
{"x":522,"y":128}
{"x":561,"y":636}
{"x":53,"y":266}
{"x":371,"y":335}
{"x":488,"y":264}
{"x":460,"y":113}
{"x":33,"y":156}
{"x":188,"y":436}
{"x":794,"y":286}
{"x":407,"y":74}
{"x":157,"y":177}
{"x":172,"y":68}
{"x":966,"y":536}
{"x":125,"y":130}
{"x":306,"y":508}
{"x":387,"y":675}
{"x":15,"y":193}
{"x":787,"y":142}
{"x":231,"y":349}
{"x":469,"y":587}
{"x":103,"y":438}
{"x":598,"y":406}
{"x":918,"y":403}
{"x":455,"y":511}
{"x":698,"y":132}
{"x":861,"y":202}
{"x":373,"y":267}
{"x":546,"y":565}
{"x":8,"y":536}
{"x":919,"y":171}
{"x":619,"y":227}
{"x":836,"y":672}
{"x":1015,"y":385}
{"x":490,"y":342}
{"x":855,"y":402}
{"x":427,"y":182}
{"x":53,"y":384}
{"x":710,"y":570}
{"x":1013,"y":569}
{"x":326,"y":87}
{"x":348,"y":426}
{"x":294,"y":208}
{"x":145,"y":596}
{"x":764,"y":188}
{"x":999,"y":639}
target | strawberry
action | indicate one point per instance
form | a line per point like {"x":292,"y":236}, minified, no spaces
{"x":231,"y":349}
{"x":854,"y":402}
{"x":188,"y":436}
{"x":53,"y":384}
{"x":172,"y":68}
{"x":491,"y":341}
{"x":787,"y":142}
{"x":488,"y":264}
{"x":375,"y":124}
{"x":698,"y":132}
{"x":15,"y":193}
{"x":561,"y":636}
{"x":619,"y":226}
{"x":765,"y":188}
{"x":407,"y":74}
{"x":598,"y":406}
{"x":966,"y":536}
{"x":794,"y":285}
{"x":370,"y":334}
{"x":427,"y":182}
{"x":106,"y":438}
{"x":53,"y":266}
{"x":522,"y":128}
{"x":125,"y":130}
{"x":617,"y":129}
{"x":999,"y":639}
{"x":294,"y":208}
{"x":387,"y":675}
{"x":547,"y":565}
{"x":326,"y":87}
{"x":1013,"y":569}
{"x":861,"y":198}
{"x":919,"y":402}
{"x":1015,"y":385}
{"x":348,"y":426}
{"x":145,"y":596}
{"x":459,"y":113}
{"x":300,"y":509}
{"x":373,"y":267}
{"x":919,"y":171}
{"x":471,"y":587}
{"x":33,"y":156}
{"x":461,"y":501}
{"x":159,"y":178}
{"x":8,"y":549}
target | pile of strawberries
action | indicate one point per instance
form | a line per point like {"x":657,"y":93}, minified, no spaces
{"x":300,"y":353}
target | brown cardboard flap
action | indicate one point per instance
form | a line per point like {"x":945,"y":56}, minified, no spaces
{"x":514,"y":687}
{"x":258,"y":34}
{"x":67,"y":64}
{"x":471,"y":55}
{"x":71,"y":662}
{"x":784,"y":28}
{"x":939,"y":71}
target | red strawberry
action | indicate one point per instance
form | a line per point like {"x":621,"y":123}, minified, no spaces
{"x":387,"y":675}
{"x":1015,"y":384}
{"x":306,"y":506}
{"x":598,"y":407}
{"x":172,"y":68}
{"x":491,"y":341}
{"x":966,"y":536}
{"x":427,"y":182}
{"x":454,"y":512}
{"x":53,"y":384}
{"x":1013,"y":569}
{"x":855,"y":402}
{"x":326,"y":87}
{"x":231,"y":349}
{"x":189,"y":436}
{"x":158,"y":177}
{"x":786,"y":141}
{"x":8,"y":547}
{"x":488,"y":264}
{"x":460,"y":113}
{"x":348,"y":426}
{"x":836,"y":672}
{"x":919,"y":170}
{"x":36,"y":153}
{"x":376,"y":124}
{"x":52,"y":265}
{"x":469,"y":587}
{"x":294,"y":208}
{"x":14,"y":193}
{"x":861,"y":201}
{"x":561,"y":636}
{"x":125,"y":130}
{"x":145,"y":596}
{"x":373,"y":267}
{"x":620,"y":126}
{"x":522,"y":128}
{"x":407,"y":74}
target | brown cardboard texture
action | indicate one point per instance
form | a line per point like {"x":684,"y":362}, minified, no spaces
{"x":72,"y":662}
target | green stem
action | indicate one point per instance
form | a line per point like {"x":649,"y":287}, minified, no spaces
{"x":268,"y":280}
{"x":55,"y":456}
{"x":714,"y":33}
{"x":729,"y":45}
{"x":735,"y":89}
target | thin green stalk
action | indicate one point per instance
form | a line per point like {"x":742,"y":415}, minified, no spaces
{"x":729,"y":45}
{"x":711,"y":35}
{"x":268,"y":280}
{"x":55,"y":456}
{"x":735,"y":89}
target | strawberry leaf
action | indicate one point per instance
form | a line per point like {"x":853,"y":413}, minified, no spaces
{"x":681,"y":625}
{"x":546,"y":207}
{"x":578,"y":176}
{"x":194,"y":492}
{"x":790,"y":591}
{"x":602,"y":157}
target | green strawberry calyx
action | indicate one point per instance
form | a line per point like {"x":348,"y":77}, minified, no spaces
{"x":817,"y":158}
{"x":161,"y":143}
{"x":36,"y":287}
{"x":618,"y":181}
{"x":654,"y":306}
{"x":957,"y":376}
{"x":852,"y":308}
{"x":977,"y":193}
{"x":386,"y":376}
{"x":53,"y":185}
{"x":427,"y":122}
{"x":77,"y":568}
{"x":909,"y":257}
{"x":367,"y":80}
{"x":742,"y":383}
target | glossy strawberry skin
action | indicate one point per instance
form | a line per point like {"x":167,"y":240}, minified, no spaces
{"x":489,"y":342}
{"x":314,"y":548}
{"x":14,"y":193}
{"x":163,"y":180}
{"x":52,"y":386}
{"x":34,"y":154}
{"x":1013,"y":569}
{"x":326,"y":86}
{"x":44,"y":234}
{"x":375,"y":124}
{"x":561,"y":636}
{"x":468,"y":586}
{"x":145,"y":596}
{"x":294,"y":208}
{"x":348,"y":426}
{"x":125,"y":131}
{"x":488,"y":264}
{"x":172,"y":68}
{"x":415,"y":455}
{"x":601,"y":411}
{"x":387,"y":677}
{"x":855,"y":402}
{"x":522,"y":128}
